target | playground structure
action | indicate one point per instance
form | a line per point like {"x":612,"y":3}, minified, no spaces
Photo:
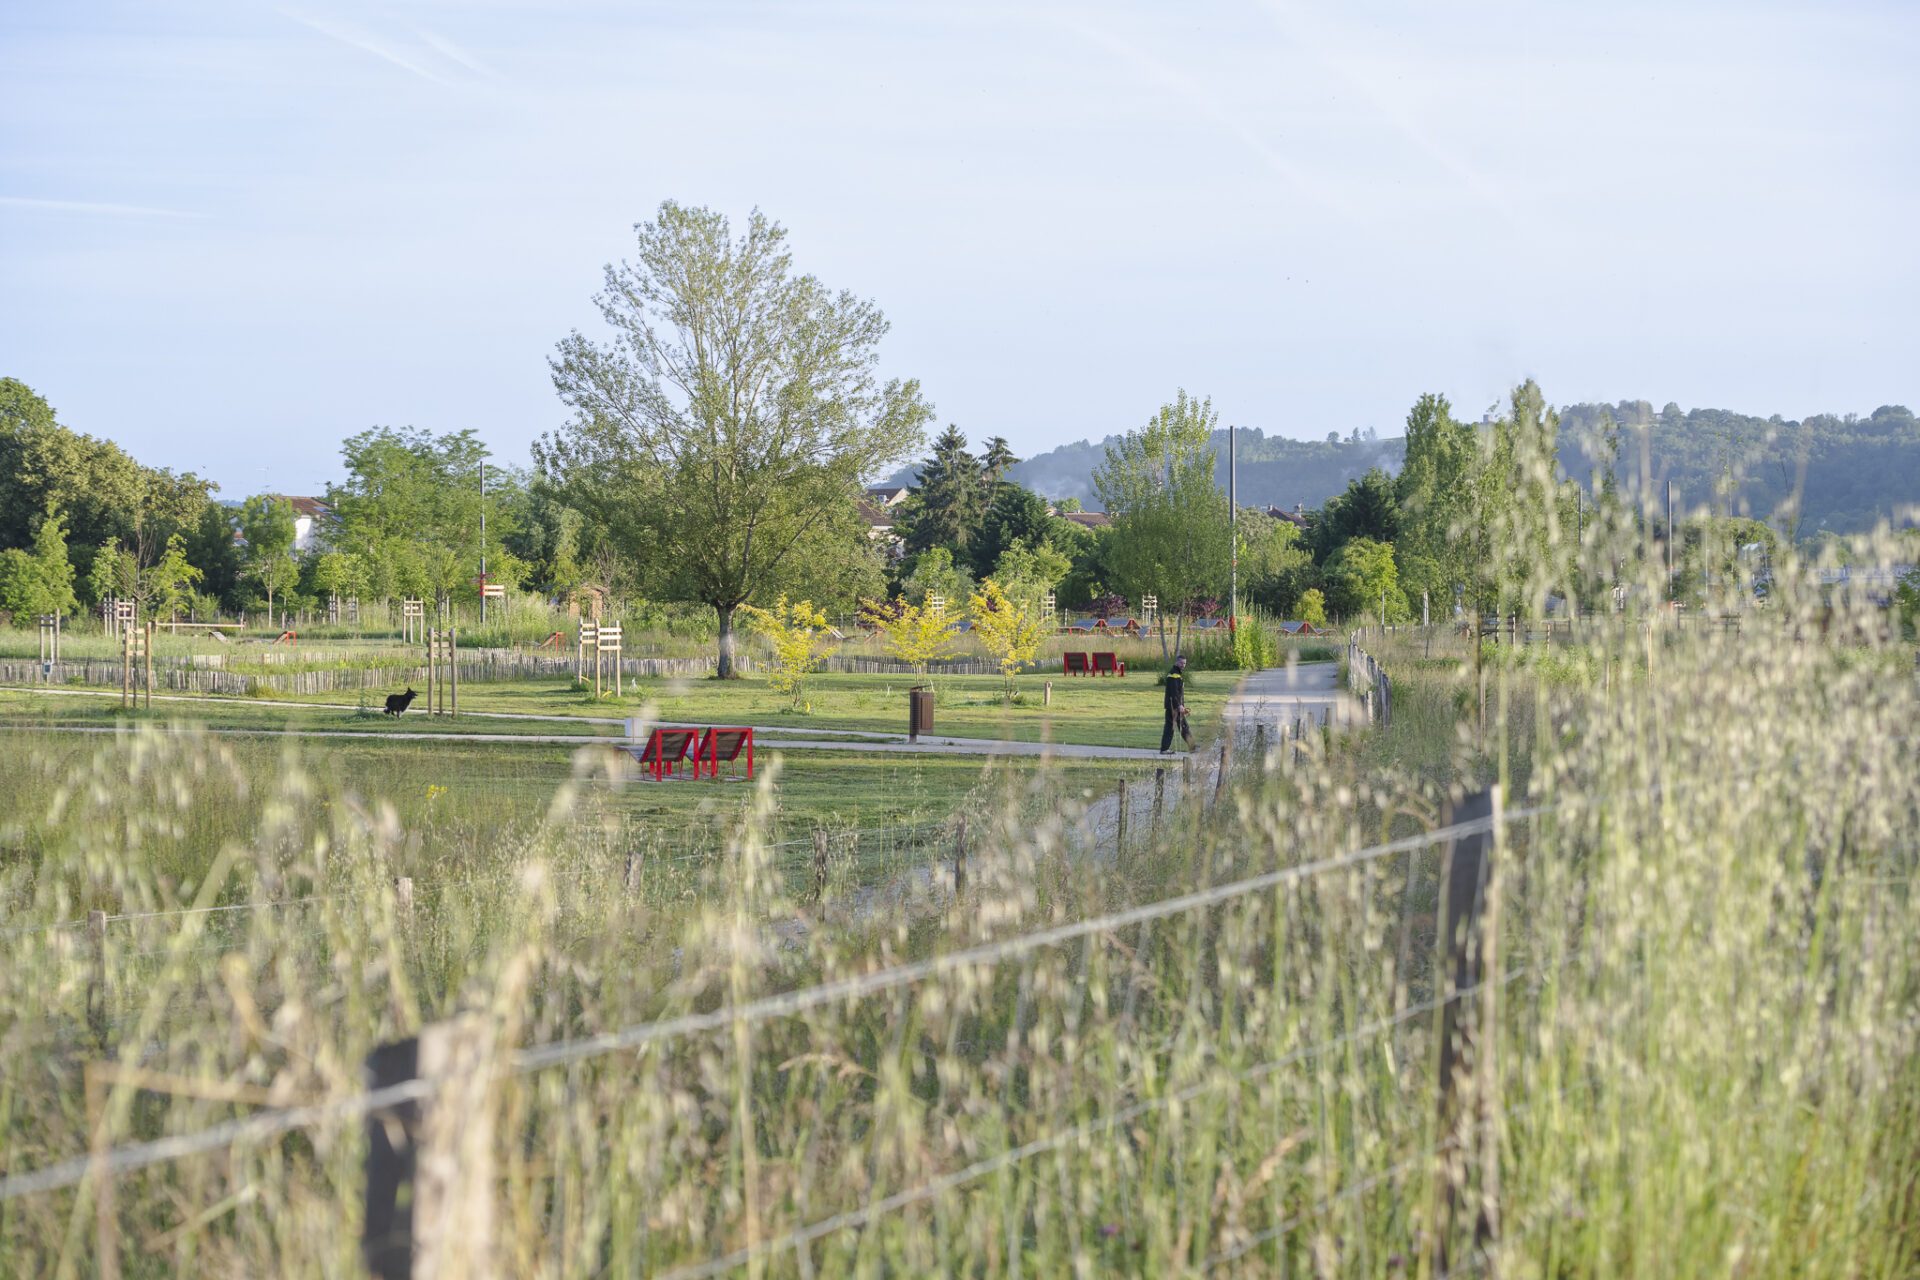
{"x":343,"y":609}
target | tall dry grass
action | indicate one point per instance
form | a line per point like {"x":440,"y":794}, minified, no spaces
{"x":1212,"y":1051}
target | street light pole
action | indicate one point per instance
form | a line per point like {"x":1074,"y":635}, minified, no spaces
{"x":483,"y":542}
{"x":1233,"y":529}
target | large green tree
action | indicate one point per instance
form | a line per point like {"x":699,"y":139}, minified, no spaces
{"x":411,"y":508}
{"x":103,"y":492}
{"x":948,"y":500}
{"x":1171,"y":533}
{"x":1364,"y":580}
{"x":267,"y":525}
{"x":1368,"y":508}
{"x":40,"y":580}
{"x":734,"y":410}
{"x":1436,"y":497}
{"x":1016,"y":515}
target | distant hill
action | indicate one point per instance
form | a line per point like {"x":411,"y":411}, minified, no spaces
{"x":1857,"y":470}
{"x":1274,"y":470}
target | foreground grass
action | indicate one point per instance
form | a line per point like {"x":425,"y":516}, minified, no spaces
{"x":1700,"y":1013}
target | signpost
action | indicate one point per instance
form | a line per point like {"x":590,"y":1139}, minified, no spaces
{"x":608,"y":642}
{"x":49,"y":643}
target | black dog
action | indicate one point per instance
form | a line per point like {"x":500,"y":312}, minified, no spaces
{"x":397,"y":703}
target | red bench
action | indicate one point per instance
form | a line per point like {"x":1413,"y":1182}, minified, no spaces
{"x":665,"y":750}
{"x":1107,"y":664}
{"x":1075,"y":664}
{"x":723,"y":744}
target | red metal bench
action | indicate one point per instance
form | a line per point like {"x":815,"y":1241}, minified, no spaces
{"x":723,"y":744}
{"x":1075,"y":664}
{"x":666,"y":749}
{"x":1107,"y":664}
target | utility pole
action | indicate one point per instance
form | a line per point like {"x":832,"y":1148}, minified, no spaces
{"x":483,"y":541}
{"x":1669,"y":542}
{"x":1233,"y":528}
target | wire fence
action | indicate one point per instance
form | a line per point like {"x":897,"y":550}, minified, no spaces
{"x":786,"y":1005}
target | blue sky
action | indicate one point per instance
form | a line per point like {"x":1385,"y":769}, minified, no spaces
{"x":233,"y":233}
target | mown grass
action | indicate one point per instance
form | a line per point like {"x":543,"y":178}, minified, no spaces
{"x":1098,"y":712}
{"x":1699,"y":1025}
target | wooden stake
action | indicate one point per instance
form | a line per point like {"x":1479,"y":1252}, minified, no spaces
{"x":960,"y":857}
{"x":1120,"y":816}
{"x":1466,"y":1045}
{"x":820,"y":865}
{"x":453,"y":669}
{"x":97,"y":984}
{"x":1220,"y":778}
{"x":1159,"y":799}
{"x":106,"y":1218}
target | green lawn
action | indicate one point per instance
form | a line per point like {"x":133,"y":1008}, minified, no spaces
{"x":1104,"y":712}
{"x":469,"y":803}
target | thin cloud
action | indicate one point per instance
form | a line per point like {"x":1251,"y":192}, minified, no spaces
{"x":1230,"y":122}
{"x":454,"y":53}
{"x":354,"y":38}
{"x":95,"y":206}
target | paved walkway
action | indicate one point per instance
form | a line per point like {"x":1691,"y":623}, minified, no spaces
{"x":1283,"y":695}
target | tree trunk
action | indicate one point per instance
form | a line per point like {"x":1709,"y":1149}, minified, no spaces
{"x":725,"y":670}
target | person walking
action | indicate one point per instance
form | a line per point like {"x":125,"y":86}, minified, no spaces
{"x":1176,"y":704}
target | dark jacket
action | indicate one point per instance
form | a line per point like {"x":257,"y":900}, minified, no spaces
{"x":1176,"y":692}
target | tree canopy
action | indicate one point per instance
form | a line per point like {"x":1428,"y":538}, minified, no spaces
{"x":733,"y":408}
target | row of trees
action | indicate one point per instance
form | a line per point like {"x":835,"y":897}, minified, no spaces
{"x":722,"y":428}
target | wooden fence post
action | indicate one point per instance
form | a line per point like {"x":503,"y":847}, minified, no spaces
{"x":1468,"y":925}
{"x":453,"y":669}
{"x":97,"y":977}
{"x":819,"y":865}
{"x":1120,"y":817}
{"x":1159,"y":798}
{"x":151,"y":628}
{"x":431,"y":709}
{"x":1260,"y":744}
{"x":439,"y":1150}
{"x":1220,"y":778}
{"x":960,"y":857}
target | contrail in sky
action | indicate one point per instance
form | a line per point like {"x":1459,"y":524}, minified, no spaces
{"x":94,"y":206}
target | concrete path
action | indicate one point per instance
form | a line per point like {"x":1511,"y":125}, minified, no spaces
{"x":1282,"y":695}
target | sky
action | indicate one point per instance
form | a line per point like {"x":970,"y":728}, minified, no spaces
{"x":233,"y":233}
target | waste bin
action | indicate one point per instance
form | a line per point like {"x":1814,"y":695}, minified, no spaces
{"x":919,"y":711}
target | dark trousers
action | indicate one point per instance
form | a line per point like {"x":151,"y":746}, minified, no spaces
{"x":1166,"y":734}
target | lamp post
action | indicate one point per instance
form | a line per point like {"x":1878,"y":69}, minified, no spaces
{"x":483,"y":542}
{"x":1233,"y":531}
